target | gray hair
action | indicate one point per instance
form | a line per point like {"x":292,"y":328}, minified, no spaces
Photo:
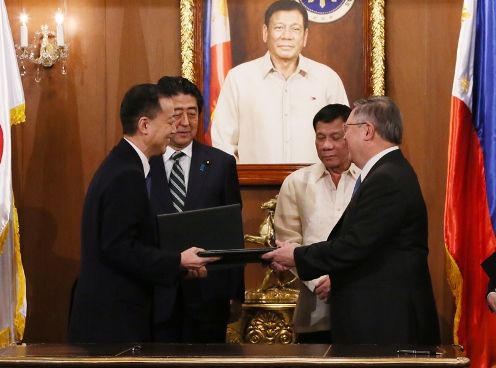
{"x":384,"y":114}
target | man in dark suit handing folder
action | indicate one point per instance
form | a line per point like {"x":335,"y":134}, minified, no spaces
{"x":191,"y":176}
{"x":120,"y":259}
{"x":376,"y":255}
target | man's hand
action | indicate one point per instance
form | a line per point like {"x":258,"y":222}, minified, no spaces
{"x":282,"y":257}
{"x":491,"y":301}
{"x":323,"y":288}
{"x":191,"y":261}
{"x":199,"y":273}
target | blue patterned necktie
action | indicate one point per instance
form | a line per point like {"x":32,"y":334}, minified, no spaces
{"x":357,"y":185}
{"x":148,"y":180}
{"x":177,"y":184}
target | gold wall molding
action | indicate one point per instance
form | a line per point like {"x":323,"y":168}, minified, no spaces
{"x":186,"y":10}
{"x":378,"y":52}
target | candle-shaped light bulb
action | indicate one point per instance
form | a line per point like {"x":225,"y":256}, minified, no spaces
{"x":59,"y":18}
{"x":24,"y":30}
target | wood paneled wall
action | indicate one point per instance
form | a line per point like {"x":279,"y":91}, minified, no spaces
{"x":73,"y":122}
{"x":422,"y":37}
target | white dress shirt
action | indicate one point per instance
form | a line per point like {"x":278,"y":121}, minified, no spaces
{"x":142,"y":156}
{"x":184,"y":161}
{"x":263,"y":118}
{"x":308,"y":207}
{"x":366,"y":168}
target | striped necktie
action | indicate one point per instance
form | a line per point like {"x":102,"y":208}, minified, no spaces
{"x":177,"y":184}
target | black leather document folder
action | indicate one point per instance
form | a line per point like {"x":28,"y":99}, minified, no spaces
{"x":239,"y":256}
{"x":208,"y":228}
{"x":218,"y":230}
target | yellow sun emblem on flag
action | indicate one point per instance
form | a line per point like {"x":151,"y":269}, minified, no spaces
{"x":221,"y":7}
{"x":465,"y":14}
{"x":464,"y":84}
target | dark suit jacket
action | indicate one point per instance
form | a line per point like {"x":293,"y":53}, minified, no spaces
{"x":489,"y":266}
{"x":491,"y":285}
{"x":213,"y":181}
{"x":376,"y":256}
{"x":120,"y":259}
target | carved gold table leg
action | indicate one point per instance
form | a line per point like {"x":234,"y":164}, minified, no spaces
{"x":264,"y":324}
{"x":267,"y":315}
{"x":233,"y":334}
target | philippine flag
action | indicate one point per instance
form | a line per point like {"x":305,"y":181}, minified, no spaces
{"x":470,"y":210}
{"x":217,"y":58}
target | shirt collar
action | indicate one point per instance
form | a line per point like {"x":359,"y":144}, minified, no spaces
{"x":319,"y":171}
{"x":370,"y":163}
{"x":169,"y":151}
{"x":268,"y":67}
{"x":266,"y":64}
{"x":142,"y":156}
{"x":303,"y":65}
{"x":354,"y":171}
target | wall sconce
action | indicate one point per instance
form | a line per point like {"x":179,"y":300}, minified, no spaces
{"x":47,"y":48}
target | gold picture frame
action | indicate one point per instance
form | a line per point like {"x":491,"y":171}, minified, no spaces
{"x":375,"y":60}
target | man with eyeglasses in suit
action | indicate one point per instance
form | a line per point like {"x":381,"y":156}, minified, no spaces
{"x":310,"y":203}
{"x":376,"y":255}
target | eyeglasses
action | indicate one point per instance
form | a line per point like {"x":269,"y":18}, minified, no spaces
{"x":346,"y":125}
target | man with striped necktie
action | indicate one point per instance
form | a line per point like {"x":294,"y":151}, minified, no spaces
{"x":189,"y":176}
{"x":310,"y":203}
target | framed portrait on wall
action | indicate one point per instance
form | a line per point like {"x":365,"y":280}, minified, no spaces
{"x":344,"y":35}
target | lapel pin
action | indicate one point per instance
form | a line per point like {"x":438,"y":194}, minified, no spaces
{"x":204,"y":165}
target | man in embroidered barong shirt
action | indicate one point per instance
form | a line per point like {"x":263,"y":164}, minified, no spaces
{"x":310,"y":203}
{"x":265,"y":105}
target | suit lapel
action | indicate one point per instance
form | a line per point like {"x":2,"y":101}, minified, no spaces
{"x":125,"y":148}
{"x":391,"y":156}
{"x":160,"y":187}
{"x":197,"y":173}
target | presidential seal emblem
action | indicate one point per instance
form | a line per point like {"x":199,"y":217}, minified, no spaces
{"x":325,"y":11}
